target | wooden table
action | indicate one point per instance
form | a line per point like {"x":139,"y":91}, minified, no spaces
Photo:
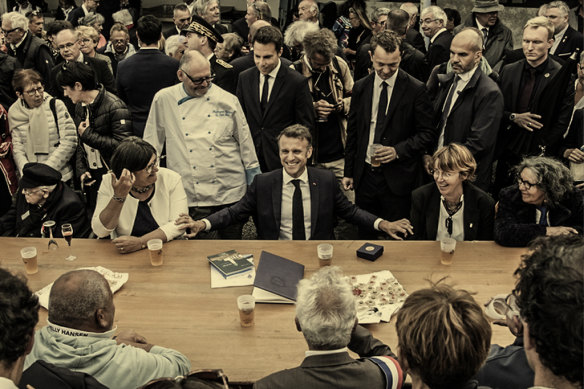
{"x":174,"y":305}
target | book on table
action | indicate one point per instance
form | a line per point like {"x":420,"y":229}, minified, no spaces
{"x":230,"y":263}
{"x":276,"y":279}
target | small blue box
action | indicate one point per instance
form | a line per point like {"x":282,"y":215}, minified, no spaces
{"x":370,"y":251}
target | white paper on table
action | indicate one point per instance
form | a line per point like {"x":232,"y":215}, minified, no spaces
{"x":243,"y":279}
{"x":115,"y":281}
{"x":377,"y":313}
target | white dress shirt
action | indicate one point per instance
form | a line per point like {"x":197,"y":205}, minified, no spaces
{"x":377,"y":81}
{"x":463,"y":80}
{"x":457,"y":222}
{"x":286,"y":210}
{"x":271,"y":80}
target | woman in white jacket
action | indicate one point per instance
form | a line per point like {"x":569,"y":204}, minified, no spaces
{"x":42,"y":129}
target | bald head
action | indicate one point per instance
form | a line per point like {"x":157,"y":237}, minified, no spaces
{"x":470,"y":37}
{"x":255,"y":27}
{"x":465,"y":50}
{"x":82,"y":299}
{"x":193,"y":59}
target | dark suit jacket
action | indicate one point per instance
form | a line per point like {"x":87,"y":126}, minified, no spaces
{"x":412,"y":61}
{"x":245,"y":62}
{"x":550,"y":135}
{"x":263,"y":201}
{"x":473,"y":120}
{"x":571,"y":41}
{"x":170,"y":31}
{"x":439,"y":50}
{"x":75,"y":15}
{"x":479,"y":213}
{"x":137,"y":83}
{"x":408,"y":128}
{"x":416,"y":39}
{"x":225,"y":76}
{"x":34,"y":53}
{"x":515,"y":223}
{"x":290,"y":103}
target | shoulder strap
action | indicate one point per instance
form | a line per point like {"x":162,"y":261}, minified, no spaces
{"x":52,"y":104}
{"x":394,"y":376}
{"x":336,"y":64}
{"x":298,"y":65}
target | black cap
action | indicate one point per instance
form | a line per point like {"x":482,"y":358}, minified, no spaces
{"x":38,"y":174}
{"x":202,"y":27}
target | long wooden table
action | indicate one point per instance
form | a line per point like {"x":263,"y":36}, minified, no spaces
{"x":174,"y":305}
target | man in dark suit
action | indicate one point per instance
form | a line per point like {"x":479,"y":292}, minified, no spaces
{"x":31,"y":52}
{"x":413,"y":36}
{"x":136,"y":82}
{"x":469,"y":105}
{"x":566,"y":39}
{"x":273,"y":96}
{"x":295,"y":202}
{"x":434,"y":27}
{"x":391,"y":114}
{"x":68,"y":44}
{"x":201,"y":36}
{"x":88,"y":7}
{"x":181,"y":17}
{"x":326,"y":316}
{"x":526,"y":85}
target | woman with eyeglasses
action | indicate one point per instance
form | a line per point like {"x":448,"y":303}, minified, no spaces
{"x":451,"y":206}
{"x":42,"y":129}
{"x":543,"y":202}
{"x":138,"y":200}
{"x":88,"y":44}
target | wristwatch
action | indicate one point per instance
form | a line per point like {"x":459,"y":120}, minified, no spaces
{"x":512,"y":117}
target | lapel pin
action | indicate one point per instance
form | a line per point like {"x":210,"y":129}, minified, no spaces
{"x":470,"y":225}
{"x":546,"y":75}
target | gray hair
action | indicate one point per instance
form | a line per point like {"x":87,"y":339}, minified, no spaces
{"x":321,"y":42}
{"x":325,"y":309}
{"x":76,"y":296}
{"x":295,"y":33}
{"x":200,"y":6}
{"x":437,"y":13}
{"x":261,"y":10}
{"x":410,"y":8}
{"x":90,"y":20}
{"x":171,"y":44}
{"x":560,"y":5}
{"x":17,"y":20}
{"x":553,"y":177}
{"x":377,"y":12}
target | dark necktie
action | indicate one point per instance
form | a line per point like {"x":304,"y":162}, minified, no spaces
{"x":527,"y":91}
{"x":265,"y":91}
{"x":543,"y":217}
{"x":381,"y":109}
{"x":485,"y":35}
{"x":448,"y":103}
{"x":298,"y":232}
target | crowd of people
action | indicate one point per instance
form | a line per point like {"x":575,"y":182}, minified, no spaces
{"x":406,"y":123}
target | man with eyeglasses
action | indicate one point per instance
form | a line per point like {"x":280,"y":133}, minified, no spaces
{"x":433,"y":21}
{"x":87,"y":8}
{"x":31,"y":52}
{"x":41,"y":196}
{"x":207,"y":140}
{"x":181,"y":17}
{"x":201,"y":36}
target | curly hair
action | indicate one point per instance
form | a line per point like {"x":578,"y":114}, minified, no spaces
{"x":443,"y":335}
{"x":322,"y":42}
{"x":550,"y":297}
{"x":553,"y":177}
{"x":18,"y":317}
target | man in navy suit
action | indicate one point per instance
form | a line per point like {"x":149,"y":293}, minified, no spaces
{"x":434,"y":27}
{"x":136,"y":82}
{"x":273,"y":200}
{"x":391,"y":110}
{"x":566,"y":39}
{"x":273,"y":96}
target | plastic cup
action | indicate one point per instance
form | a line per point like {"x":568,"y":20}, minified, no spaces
{"x":371,"y":153}
{"x":447,"y":247}
{"x":325,"y":254}
{"x":246,"y":305}
{"x":29,"y":257}
{"x":155,"y":249}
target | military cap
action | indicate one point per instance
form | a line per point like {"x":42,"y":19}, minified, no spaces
{"x":201,"y":27}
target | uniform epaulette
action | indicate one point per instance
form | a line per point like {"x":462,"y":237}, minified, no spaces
{"x":224,"y":64}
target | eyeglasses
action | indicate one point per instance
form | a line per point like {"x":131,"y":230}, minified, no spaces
{"x":34,"y":91}
{"x":6,"y":32}
{"x":199,"y":81}
{"x":446,"y":175}
{"x":148,"y":169}
{"x":215,"y":375}
{"x":28,"y":192}
{"x":428,"y":21}
{"x":526,"y":184}
{"x":66,"y":45}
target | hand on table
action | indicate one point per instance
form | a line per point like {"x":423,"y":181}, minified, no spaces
{"x":127,"y":244}
{"x":560,"y":230}
{"x":185,"y":222}
{"x":402,"y":227}
{"x":131,"y":338}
